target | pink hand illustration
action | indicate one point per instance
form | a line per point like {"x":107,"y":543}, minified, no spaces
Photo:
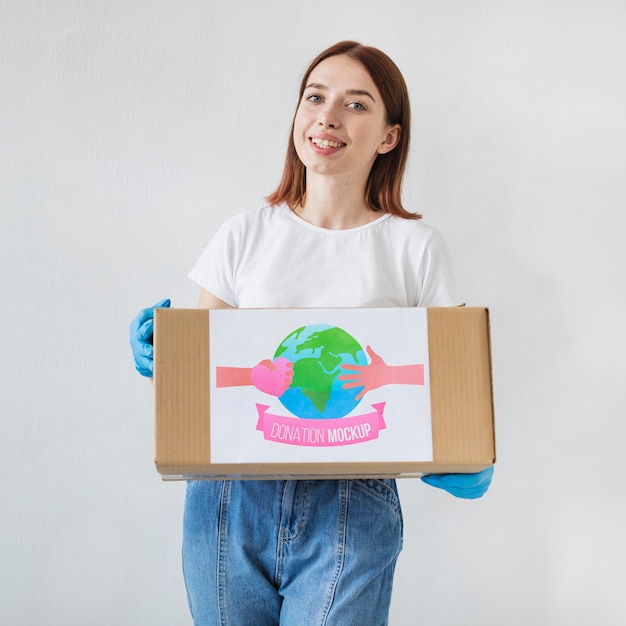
{"x":377,"y":374}
{"x":272,"y":377}
{"x":371,"y":376}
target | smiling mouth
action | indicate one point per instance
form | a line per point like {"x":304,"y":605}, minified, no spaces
{"x":326,"y":143}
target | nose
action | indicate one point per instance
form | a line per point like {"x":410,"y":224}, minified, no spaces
{"x":328,"y":117}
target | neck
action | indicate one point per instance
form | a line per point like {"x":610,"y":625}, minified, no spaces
{"x":336,"y":204}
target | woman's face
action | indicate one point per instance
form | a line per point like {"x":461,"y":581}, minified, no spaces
{"x":341,"y":123}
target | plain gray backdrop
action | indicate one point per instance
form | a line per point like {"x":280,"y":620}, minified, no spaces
{"x":130,"y":130}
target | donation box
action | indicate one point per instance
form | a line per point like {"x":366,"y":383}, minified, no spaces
{"x":318,"y":393}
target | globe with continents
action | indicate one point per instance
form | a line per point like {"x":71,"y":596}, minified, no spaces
{"x":317,"y":353}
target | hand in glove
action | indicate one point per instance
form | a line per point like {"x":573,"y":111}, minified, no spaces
{"x":462,"y":485}
{"x":141,"y":331}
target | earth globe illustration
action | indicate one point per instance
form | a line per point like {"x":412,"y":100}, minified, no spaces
{"x":317,"y":353}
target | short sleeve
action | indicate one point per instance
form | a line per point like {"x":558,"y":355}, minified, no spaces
{"x":215,"y":269}
{"x":435,"y":277}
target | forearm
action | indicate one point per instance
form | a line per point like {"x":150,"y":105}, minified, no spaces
{"x":406,"y":374}
{"x":232,"y":376}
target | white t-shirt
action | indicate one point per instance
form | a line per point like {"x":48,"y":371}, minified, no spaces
{"x":272,"y":258}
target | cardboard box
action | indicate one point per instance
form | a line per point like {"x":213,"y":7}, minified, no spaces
{"x":200,"y":403}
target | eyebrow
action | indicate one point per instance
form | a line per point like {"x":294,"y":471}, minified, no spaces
{"x":349,"y":92}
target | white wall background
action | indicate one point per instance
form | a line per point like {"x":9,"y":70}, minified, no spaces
{"x":129,"y":130}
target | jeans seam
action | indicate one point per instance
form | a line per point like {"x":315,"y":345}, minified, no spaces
{"x":341,"y":550}
{"x":184,"y":560}
{"x":287,"y":536}
{"x":222,"y":552}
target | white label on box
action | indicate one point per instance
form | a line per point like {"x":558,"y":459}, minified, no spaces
{"x":319,"y":385}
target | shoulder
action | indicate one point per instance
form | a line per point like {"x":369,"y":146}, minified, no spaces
{"x":418,"y":239}
{"x":417,"y":230}
{"x":252,"y":220}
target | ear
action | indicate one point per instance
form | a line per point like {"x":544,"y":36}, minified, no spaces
{"x":391,"y":139}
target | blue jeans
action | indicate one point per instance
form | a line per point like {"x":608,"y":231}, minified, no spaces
{"x":294,"y":553}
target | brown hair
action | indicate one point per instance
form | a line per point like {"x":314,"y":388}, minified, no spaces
{"x":384,"y":185}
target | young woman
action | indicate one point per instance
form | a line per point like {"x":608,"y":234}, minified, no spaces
{"x":334,"y":234}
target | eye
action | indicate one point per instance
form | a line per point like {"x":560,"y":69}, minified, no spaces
{"x":314,"y":98}
{"x":357,"y":106}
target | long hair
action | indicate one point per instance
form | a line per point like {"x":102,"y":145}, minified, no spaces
{"x":383,"y":191}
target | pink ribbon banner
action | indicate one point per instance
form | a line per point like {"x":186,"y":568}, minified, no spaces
{"x":343,"y":431}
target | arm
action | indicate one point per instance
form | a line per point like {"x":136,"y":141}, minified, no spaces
{"x":209,"y":301}
{"x":271,"y":377}
{"x":377,"y":374}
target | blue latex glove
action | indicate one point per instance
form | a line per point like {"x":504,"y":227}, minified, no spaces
{"x":462,"y":485}
{"x":141,"y":331}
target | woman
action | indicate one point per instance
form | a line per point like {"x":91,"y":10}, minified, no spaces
{"x":334,"y":234}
